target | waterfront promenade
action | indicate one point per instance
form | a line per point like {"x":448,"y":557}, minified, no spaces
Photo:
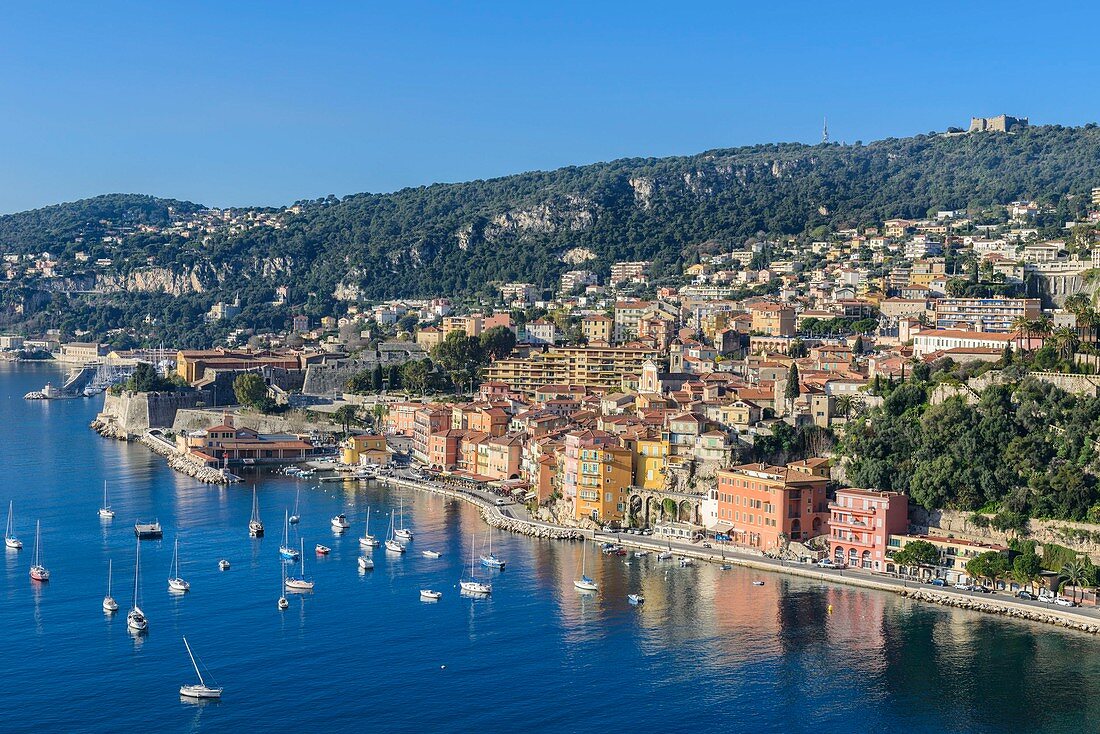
{"x":511,"y":515}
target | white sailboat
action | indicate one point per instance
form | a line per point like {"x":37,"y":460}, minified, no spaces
{"x":368,"y":540}
{"x":584,"y":583}
{"x":135,"y":619}
{"x":490,"y":560}
{"x":392,"y":543}
{"x":283,"y":603}
{"x":300,"y":583}
{"x":472,"y":585}
{"x":106,"y":512}
{"x":403,"y":532}
{"x":295,"y":517}
{"x":109,"y":604}
{"x":175,"y":583}
{"x":255,"y":524}
{"x":38,"y":571}
{"x":285,"y":550}
{"x":9,"y":534}
{"x":201,"y":690}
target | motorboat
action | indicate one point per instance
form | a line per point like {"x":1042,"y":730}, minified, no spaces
{"x":300,"y":583}
{"x":368,"y":540}
{"x":255,"y":524}
{"x":175,"y":582}
{"x":340,"y":523}
{"x":38,"y":571}
{"x":223,"y":565}
{"x":106,"y":512}
{"x":10,"y":540}
{"x":584,"y":583}
{"x":366,"y":563}
{"x":431,"y":554}
{"x":490,"y":559}
{"x":757,"y":583}
{"x":148,"y":530}
{"x":135,"y":619}
{"x":286,"y":550}
{"x":429,"y":595}
{"x":635,"y":598}
{"x":322,"y":550}
{"x":201,"y":690}
{"x":109,"y":604}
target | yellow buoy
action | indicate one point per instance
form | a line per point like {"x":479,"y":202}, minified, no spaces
{"x":830,"y":609}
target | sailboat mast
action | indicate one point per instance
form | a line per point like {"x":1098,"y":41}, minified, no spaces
{"x":137,"y":572}
{"x":37,"y":529}
{"x":193,"y":663}
{"x":108,"y":578}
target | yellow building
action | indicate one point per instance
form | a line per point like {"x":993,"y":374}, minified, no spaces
{"x":773,"y":319}
{"x":597,"y":328}
{"x":365,"y":449}
{"x":590,"y":367}
{"x":603,"y":482}
{"x":650,"y":461}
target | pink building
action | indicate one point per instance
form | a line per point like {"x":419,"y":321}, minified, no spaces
{"x":861,"y":522}
{"x":574,"y":442}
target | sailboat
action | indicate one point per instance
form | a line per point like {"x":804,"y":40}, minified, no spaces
{"x":472,"y":585}
{"x":584,"y":583}
{"x":392,"y":543}
{"x":255,"y":524}
{"x":9,"y":537}
{"x":403,"y":532}
{"x":300,"y":583}
{"x":291,"y":554}
{"x":490,"y":560}
{"x":136,"y":620}
{"x":283,"y":603}
{"x":175,"y":583}
{"x":38,"y":571}
{"x":368,"y":540}
{"x":106,"y":512}
{"x":109,"y":604}
{"x":201,"y":690}
{"x":295,"y":517}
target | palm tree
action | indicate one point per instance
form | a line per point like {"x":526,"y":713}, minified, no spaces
{"x":1042,"y":326}
{"x":378,"y":412}
{"x":345,"y":415}
{"x":844,"y":405}
{"x":1065,"y":341}
{"x":1076,"y":573}
{"x":1022,"y":324}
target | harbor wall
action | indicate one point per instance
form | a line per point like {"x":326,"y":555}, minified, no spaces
{"x":195,"y":419}
{"x":129,"y":415}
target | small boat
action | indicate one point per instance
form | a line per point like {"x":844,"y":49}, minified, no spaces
{"x":175,"y":583}
{"x":664,"y":555}
{"x":368,"y":540}
{"x":322,"y":550}
{"x":148,"y":530}
{"x":109,"y":604}
{"x":403,"y":532}
{"x":490,"y":559}
{"x":366,"y":563}
{"x":9,"y":534}
{"x":584,"y":583}
{"x":300,"y":583}
{"x":136,"y":619}
{"x":392,"y":543}
{"x":223,"y":565}
{"x":641,"y":554}
{"x":340,"y":523}
{"x":472,"y":585}
{"x":757,"y":583}
{"x":635,"y":598}
{"x":255,"y":524}
{"x":286,"y":550}
{"x":201,"y":690}
{"x":431,"y":554}
{"x":38,"y":571}
{"x":283,"y":603}
{"x":685,"y":562}
{"x":429,"y":595}
{"x":295,"y":518}
{"x":106,"y":512}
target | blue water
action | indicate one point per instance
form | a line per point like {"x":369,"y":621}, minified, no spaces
{"x":707,"y":652}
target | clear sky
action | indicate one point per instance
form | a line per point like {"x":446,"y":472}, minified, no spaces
{"x":235,"y":103}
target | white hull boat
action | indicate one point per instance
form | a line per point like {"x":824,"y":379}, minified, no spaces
{"x":475,"y":587}
{"x":366,"y":563}
{"x":300,"y":583}
{"x":10,"y":541}
{"x":431,"y":554}
{"x":109,"y":604}
{"x":285,"y":550}
{"x":429,"y":595}
{"x":402,"y":532}
{"x":135,"y":619}
{"x":368,"y":540}
{"x":635,"y":598}
{"x":175,"y":583}
{"x":340,"y":523}
{"x":223,"y":565}
{"x":38,"y":571}
{"x":201,"y":690}
{"x":394,"y":547}
{"x":255,"y":524}
{"x":584,"y":583}
{"x":105,"y":512}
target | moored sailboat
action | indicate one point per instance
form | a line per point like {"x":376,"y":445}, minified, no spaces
{"x":392,"y":543}
{"x":109,"y":604}
{"x":175,"y":582}
{"x":201,"y":690}
{"x":295,"y":517}
{"x":471,"y":585}
{"x":285,"y":550}
{"x":584,"y":583}
{"x":135,"y":619}
{"x":490,"y":559}
{"x":38,"y":571}
{"x":10,"y":540}
{"x":105,"y":511}
{"x":255,"y":524}
{"x":403,"y":532}
{"x":368,"y":540}
{"x":302,"y":582}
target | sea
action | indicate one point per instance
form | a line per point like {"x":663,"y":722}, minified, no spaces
{"x":708,"y":651}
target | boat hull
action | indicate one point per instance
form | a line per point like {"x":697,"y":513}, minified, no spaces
{"x":475,"y":587}
{"x":493,"y":562}
{"x":429,"y":595}
{"x":13,"y":543}
{"x":586,"y":585}
{"x":290,"y":554}
{"x":106,"y":514}
{"x":365,"y":563}
{"x":137,"y":622}
{"x":369,"y":541}
{"x":109,"y":604}
{"x":39,"y":573}
{"x":394,"y":547}
{"x":200,"y":692}
{"x":178,"y":585}
{"x":404,"y":534}
{"x":299,"y":584}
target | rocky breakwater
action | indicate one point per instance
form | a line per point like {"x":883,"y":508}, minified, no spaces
{"x":106,"y":426}
{"x":183,"y":463}
{"x":536,"y":530}
{"x":1067,"y":620}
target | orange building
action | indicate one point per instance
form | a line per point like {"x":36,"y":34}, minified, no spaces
{"x":860,"y":525}
{"x":761,"y":506}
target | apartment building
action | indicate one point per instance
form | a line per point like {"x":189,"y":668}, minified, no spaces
{"x":595,"y":367}
{"x":773,"y":319}
{"x":860,"y":524}
{"x":628,"y":314}
{"x":597,"y":329}
{"x":764,"y":506}
{"x":603,"y":483}
{"x":984,"y":314}
{"x":629,"y":272}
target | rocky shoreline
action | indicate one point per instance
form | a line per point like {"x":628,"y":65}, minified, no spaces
{"x":1001,"y":609}
{"x":105,"y":426}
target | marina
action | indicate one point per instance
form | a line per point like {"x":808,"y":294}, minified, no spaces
{"x":699,"y":627}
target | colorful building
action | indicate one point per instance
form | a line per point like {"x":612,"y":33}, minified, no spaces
{"x":765,"y":506}
{"x":603,"y":483}
{"x":861,"y":522}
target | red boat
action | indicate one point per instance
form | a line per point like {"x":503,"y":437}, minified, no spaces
{"x":323,"y":550}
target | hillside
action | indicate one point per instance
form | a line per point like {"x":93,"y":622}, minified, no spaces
{"x":459,"y":238}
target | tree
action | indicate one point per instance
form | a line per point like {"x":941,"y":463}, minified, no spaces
{"x":378,"y":413}
{"x":407,"y":322}
{"x":798,"y":349}
{"x":376,"y":378}
{"x":990,"y":565}
{"x":414,"y":375}
{"x":250,"y":390}
{"x":1076,"y":573}
{"x":497,"y":342}
{"x":857,"y":347}
{"x":1065,"y":341}
{"x":393,"y":377}
{"x":918,"y":554}
{"x":460,"y":356}
{"x":1027,"y":566}
{"x":793,"y":389}
{"x":345,"y":415}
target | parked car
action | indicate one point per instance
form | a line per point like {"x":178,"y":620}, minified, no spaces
{"x":707,"y":545}
{"x":964,"y":586}
{"x":983,"y":589}
{"x":938,"y":582}
{"x":1046,"y":598}
{"x":1064,"y":602}
{"x":1025,"y":595}
{"x":827,"y":563}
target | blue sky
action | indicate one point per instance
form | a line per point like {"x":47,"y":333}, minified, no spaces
{"x":237,"y":103}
